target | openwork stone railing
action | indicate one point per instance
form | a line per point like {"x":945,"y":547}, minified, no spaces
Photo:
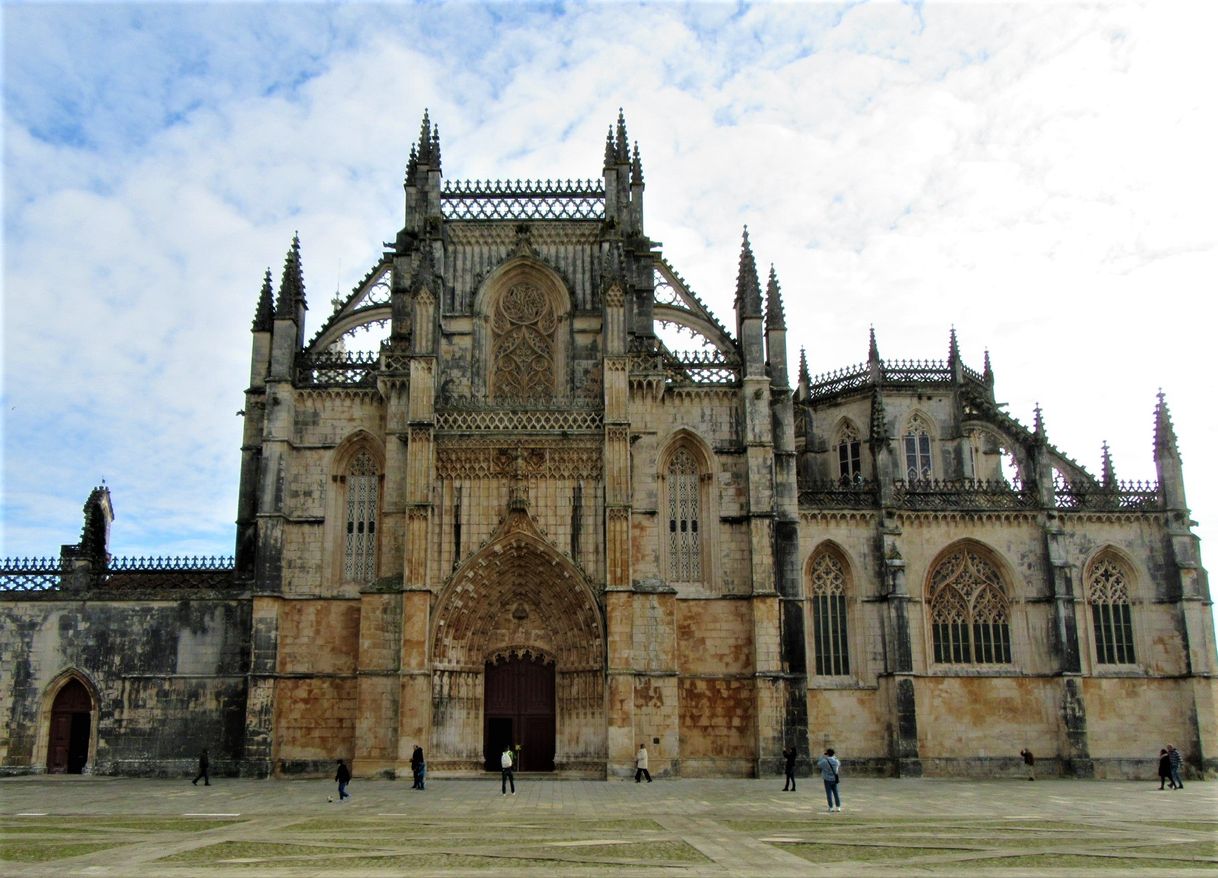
{"x":1134,"y":496}
{"x":51,"y":574}
{"x":685,"y":368}
{"x":523,"y":200}
{"x":30,"y":574}
{"x":531,"y":416}
{"x":892,"y":372}
{"x":337,"y":369}
{"x":961,"y":494}
{"x":838,"y":494}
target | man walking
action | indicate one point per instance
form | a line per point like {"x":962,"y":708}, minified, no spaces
{"x":640,"y":765}
{"x":505,"y":767}
{"x":1029,"y":762}
{"x":1175,"y":761}
{"x":789,"y":755}
{"x":203,"y":765}
{"x":343,"y":776}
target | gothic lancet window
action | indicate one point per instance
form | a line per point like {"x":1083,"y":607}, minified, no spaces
{"x":849,"y":458}
{"x":359,"y":529}
{"x":522,"y":353}
{"x":969,"y":611}
{"x":829,"y":615}
{"x":1111,"y":615}
{"x":917,"y":450}
{"x":684,"y":517}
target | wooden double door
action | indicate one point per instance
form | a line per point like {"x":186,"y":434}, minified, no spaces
{"x":519,"y":711}
{"x":71,"y":721}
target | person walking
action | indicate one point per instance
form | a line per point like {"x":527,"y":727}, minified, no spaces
{"x":1175,"y":761}
{"x":343,"y":776}
{"x":640,"y":765}
{"x":789,"y":755}
{"x":203,"y":766}
{"x":417,"y":767}
{"x":1165,"y":770}
{"x":830,"y":766}
{"x":1029,"y":762}
{"x":505,"y":767}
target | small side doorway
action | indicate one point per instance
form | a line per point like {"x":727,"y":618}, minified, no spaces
{"x":520,"y":711}
{"x":71,"y":723}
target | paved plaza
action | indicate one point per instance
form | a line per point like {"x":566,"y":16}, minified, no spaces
{"x":67,"y":826}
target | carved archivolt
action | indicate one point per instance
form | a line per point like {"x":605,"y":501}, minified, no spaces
{"x":523,"y":323}
{"x":542,"y":459}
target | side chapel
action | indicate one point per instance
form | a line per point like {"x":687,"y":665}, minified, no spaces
{"x":522,"y":487}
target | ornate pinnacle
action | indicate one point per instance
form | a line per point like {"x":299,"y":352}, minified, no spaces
{"x":805,"y":379}
{"x":636,"y":168}
{"x":435,"y":147}
{"x":1038,"y":423}
{"x":291,"y":287}
{"x":264,"y":312}
{"x":1107,"y":473}
{"x":748,"y":288}
{"x":610,"y":148}
{"x":412,"y":165}
{"x":775,"y":318}
{"x":873,"y":350}
{"x":425,"y":139}
{"x":988,"y":373}
{"x":953,"y":348}
{"x":623,"y":143}
{"x":1165,"y":433}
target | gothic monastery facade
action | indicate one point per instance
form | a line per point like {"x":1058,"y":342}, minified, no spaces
{"x":531,"y":517}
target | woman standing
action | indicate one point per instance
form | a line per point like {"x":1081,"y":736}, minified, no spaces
{"x":829,"y":766}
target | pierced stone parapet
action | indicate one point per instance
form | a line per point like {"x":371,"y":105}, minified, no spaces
{"x":970,"y":494}
{"x":834,"y":493}
{"x":523,"y":200}
{"x":30,"y":574}
{"x":334,"y":369}
{"x":1125,"y":495}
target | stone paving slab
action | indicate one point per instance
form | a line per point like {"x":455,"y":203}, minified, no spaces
{"x":249,"y":828}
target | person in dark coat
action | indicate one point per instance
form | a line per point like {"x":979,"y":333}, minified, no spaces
{"x":1165,"y":770}
{"x":789,"y":755}
{"x":343,"y":776}
{"x":1029,"y":762}
{"x":1175,"y":761}
{"x":203,"y":765}
{"x":417,"y":767}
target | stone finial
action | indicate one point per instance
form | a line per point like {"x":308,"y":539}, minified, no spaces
{"x":636,"y":167}
{"x":953,"y":348}
{"x":775,"y":316}
{"x":1165,"y":433}
{"x":435,"y":147}
{"x":988,"y":372}
{"x":412,"y":166}
{"x":95,"y":535}
{"x":873,"y":350}
{"x":264,"y":312}
{"x":623,"y":142}
{"x":610,"y":148}
{"x":805,"y":378}
{"x":291,"y":287}
{"x":748,"y":287}
{"x":1107,"y":473}
{"x":1038,"y":423}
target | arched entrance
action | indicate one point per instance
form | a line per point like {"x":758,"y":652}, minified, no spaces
{"x":71,"y":723}
{"x":519,"y":711}
{"x":517,"y":654}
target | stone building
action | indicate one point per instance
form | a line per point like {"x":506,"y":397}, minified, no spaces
{"x":555,"y":503}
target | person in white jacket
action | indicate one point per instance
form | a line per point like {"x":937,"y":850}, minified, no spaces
{"x":640,"y":765}
{"x":829,"y":766}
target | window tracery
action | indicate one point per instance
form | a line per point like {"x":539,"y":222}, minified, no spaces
{"x":969,"y":611}
{"x":849,"y":454}
{"x":917,"y":450}
{"x":359,"y":531}
{"x":1111,"y":613}
{"x":522,"y":353}
{"x":829,"y":628}
{"x":684,"y":514}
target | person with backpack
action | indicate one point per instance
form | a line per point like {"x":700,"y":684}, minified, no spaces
{"x":505,"y":765}
{"x":829,"y":766}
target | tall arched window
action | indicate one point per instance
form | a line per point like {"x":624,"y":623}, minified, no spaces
{"x":969,"y":611}
{"x":1111,"y":614}
{"x":684,"y":517}
{"x":522,"y":347}
{"x":849,"y":454}
{"x":360,"y":509}
{"x":917,"y":450}
{"x":829,"y":629}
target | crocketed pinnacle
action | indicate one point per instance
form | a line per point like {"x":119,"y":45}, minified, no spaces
{"x":610,"y":148}
{"x":873,"y":350}
{"x":636,"y":167}
{"x":1165,"y":433}
{"x":291,"y":287}
{"x":805,"y":378}
{"x":425,"y":141}
{"x":1107,"y":473}
{"x":1038,"y":423}
{"x":435,"y":147}
{"x":988,"y":372}
{"x":748,"y":287}
{"x":412,"y":165}
{"x":623,"y":143}
{"x":264,"y":313}
{"x":879,"y":418}
{"x":775,"y":318}
{"x":953,"y":348}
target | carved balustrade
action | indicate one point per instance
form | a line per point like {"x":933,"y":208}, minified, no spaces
{"x":523,"y":200}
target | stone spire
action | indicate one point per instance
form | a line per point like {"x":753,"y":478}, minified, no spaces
{"x":622,"y":150}
{"x":291,"y":302}
{"x":266,"y":305}
{"x":953,"y":348}
{"x":1107,"y":473}
{"x":636,"y":167}
{"x":1038,"y":424}
{"x":748,"y":287}
{"x":805,"y":378}
{"x":988,"y":372}
{"x":1165,"y":433}
{"x":1168,"y":466}
{"x":873,"y":350}
{"x":423,"y":155}
{"x":610,"y":149}
{"x":775,"y":317}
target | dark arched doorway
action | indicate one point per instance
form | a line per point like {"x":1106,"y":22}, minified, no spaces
{"x":520,"y":711}
{"x":71,"y":719}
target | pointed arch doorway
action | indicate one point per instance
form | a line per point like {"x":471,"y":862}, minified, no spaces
{"x":71,"y":725}
{"x":517,"y":656}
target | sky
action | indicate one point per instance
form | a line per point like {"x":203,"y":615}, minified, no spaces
{"x":1039,"y":176}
